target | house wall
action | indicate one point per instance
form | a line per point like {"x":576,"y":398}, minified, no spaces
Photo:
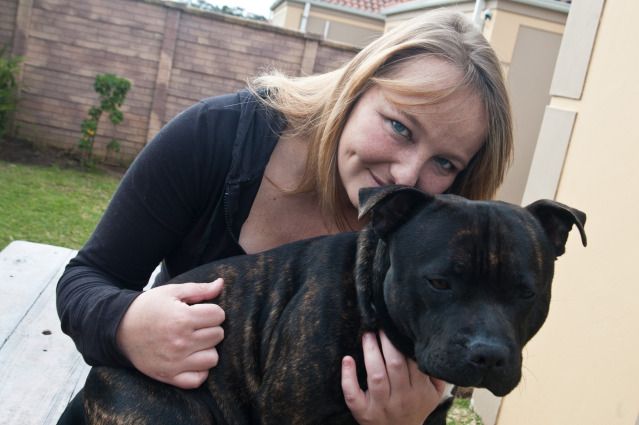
{"x":355,"y":30}
{"x":502,"y":29}
{"x":173,"y":56}
{"x":528,"y":50}
{"x":582,"y":368}
{"x":335,"y":22}
{"x":288,"y":15}
{"x":395,"y":19}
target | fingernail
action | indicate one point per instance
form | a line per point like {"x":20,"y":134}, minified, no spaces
{"x":346,"y":362}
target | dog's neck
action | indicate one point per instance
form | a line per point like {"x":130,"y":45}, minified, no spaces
{"x":372,"y":265}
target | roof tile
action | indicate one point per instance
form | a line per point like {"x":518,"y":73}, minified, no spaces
{"x":376,"y":6}
{"x":366,"y":5}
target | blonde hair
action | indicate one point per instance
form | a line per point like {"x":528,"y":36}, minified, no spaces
{"x":317,"y":107}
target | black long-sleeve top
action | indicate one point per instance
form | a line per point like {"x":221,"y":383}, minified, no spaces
{"x":182,"y":203}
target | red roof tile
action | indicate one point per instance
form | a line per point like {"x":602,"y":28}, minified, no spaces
{"x":376,"y":5}
{"x":366,"y":5}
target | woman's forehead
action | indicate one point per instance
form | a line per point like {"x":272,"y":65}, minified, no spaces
{"x":427,"y":70}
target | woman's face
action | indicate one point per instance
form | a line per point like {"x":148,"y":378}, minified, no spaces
{"x":424,"y":146}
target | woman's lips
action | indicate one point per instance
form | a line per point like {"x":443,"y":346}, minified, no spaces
{"x":379,"y":181}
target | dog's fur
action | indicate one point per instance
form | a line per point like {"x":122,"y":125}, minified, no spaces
{"x":460,"y":286}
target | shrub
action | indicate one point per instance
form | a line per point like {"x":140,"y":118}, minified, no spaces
{"x":112,"y":90}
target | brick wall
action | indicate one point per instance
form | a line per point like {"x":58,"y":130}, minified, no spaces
{"x":173,"y":57}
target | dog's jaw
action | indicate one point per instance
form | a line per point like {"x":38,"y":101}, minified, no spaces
{"x":454,"y":364}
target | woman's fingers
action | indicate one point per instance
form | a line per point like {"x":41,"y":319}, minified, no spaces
{"x":169,"y":339}
{"x":396,"y":365}
{"x":192,"y":293}
{"x":207,"y":338}
{"x":189,"y":380}
{"x":201,"y":360}
{"x":353,"y":395}
{"x":205,"y":315}
{"x":378,"y":383}
{"x":397,"y":391}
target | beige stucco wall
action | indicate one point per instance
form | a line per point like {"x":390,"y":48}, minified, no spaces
{"x":395,"y":19}
{"x":288,"y":15}
{"x":502,"y":30}
{"x":344,"y":27}
{"x":527,"y":48}
{"x":583,"y":366}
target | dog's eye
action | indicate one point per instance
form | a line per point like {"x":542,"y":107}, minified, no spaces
{"x":526,"y":293}
{"x":439,"y":284}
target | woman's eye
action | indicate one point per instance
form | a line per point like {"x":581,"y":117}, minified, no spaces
{"x":445,"y":164}
{"x":400,"y":129}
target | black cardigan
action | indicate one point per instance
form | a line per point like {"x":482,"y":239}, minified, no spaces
{"x":182,"y":202}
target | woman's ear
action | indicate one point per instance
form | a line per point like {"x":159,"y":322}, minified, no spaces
{"x":390,"y":206}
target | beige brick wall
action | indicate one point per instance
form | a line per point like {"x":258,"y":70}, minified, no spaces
{"x":329,"y":58}
{"x":173,"y":57}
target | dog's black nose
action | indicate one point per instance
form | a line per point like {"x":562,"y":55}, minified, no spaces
{"x":488,"y":356}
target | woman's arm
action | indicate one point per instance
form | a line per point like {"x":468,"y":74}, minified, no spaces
{"x":159,"y":199}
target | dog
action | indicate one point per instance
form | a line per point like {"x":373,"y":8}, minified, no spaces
{"x":459,"y":286}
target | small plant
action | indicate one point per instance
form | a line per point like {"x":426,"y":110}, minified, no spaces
{"x":112,"y":90}
{"x":112,"y":148}
{"x":9,"y":66}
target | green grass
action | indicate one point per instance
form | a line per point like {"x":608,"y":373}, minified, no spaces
{"x":461,"y":413}
{"x":51,"y":205}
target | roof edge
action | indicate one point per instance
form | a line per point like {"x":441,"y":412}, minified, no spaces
{"x":553,"y":5}
{"x":335,"y":7}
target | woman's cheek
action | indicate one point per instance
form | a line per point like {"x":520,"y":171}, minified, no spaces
{"x":433,"y":182}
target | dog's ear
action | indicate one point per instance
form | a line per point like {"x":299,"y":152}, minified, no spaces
{"x":557,"y":220}
{"x":390,"y":206}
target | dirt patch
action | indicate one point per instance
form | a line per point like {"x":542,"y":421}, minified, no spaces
{"x":23,"y":152}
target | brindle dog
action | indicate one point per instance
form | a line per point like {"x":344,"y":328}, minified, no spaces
{"x":460,"y":286}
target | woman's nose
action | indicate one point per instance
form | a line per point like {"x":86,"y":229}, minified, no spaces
{"x":407,"y":171}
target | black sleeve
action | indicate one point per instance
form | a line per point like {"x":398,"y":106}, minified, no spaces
{"x":167,"y":187}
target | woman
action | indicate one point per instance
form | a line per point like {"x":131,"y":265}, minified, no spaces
{"x":424,"y":105}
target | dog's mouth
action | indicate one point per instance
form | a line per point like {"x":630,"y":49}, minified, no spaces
{"x":467,"y":371}
{"x":499,"y":387}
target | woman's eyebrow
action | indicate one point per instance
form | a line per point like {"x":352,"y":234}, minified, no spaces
{"x":406,"y":115}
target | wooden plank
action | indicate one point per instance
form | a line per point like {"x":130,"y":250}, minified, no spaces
{"x":40,"y":369}
{"x":25,"y":270}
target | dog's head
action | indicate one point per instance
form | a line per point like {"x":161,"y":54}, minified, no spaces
{"x":467,"y":282}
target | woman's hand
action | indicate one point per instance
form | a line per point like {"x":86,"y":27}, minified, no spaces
{"x":398,"y":393}
{"x":170,"y":338}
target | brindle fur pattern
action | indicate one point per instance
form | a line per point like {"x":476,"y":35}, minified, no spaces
{"x":294,"y":312}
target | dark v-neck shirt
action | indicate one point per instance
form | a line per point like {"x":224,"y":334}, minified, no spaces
{"x":182,"y":202}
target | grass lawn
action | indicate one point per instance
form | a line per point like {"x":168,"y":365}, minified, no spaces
{"x":461,"y":413}
{"x":51,"y":205}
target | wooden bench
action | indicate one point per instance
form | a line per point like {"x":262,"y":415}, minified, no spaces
{"x":40,"y":369}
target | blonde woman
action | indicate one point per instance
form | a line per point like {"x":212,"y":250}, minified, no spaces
{"x":424,"y":105}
